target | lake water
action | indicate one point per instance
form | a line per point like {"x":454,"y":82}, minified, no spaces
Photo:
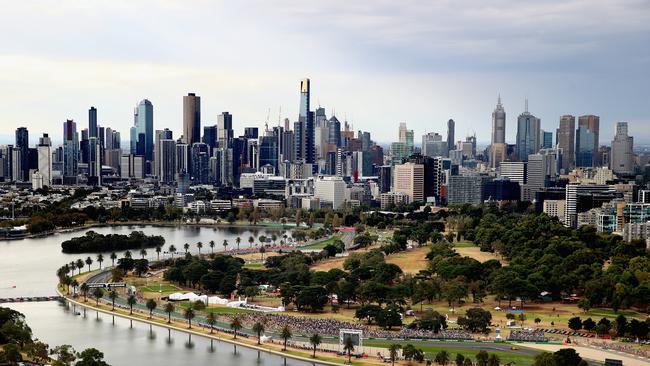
{"x":28,"y":268}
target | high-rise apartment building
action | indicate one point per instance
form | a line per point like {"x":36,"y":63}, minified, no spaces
{"x":592,"y":123}
{"x":22,"y":161}
{"x":167,"y":158}
{"x":528,"y":135}
{"x":304,"y":128}
{"x":451,"y":134}
{"x":565,"y":138}
{"x":225,"y":132}
{"x":191,"y":119}
{"x":161,"y":135}
{"x":92,"y":122}
{"x":409,"y":179}
{"x":44,"y":149}
{"x":499,"y":124}
{"x":622,"y":155}
{"x":70,"y":152}
{"x":200,"y":163}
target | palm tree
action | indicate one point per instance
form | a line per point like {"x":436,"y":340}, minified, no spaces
{"x":258,"y":328}
{"x":131,"y":300}
{"x":186,"y":246}
{"x":74,"y":285}
{"x":151,"y":305}
{"x":172,"y":250}
{"x":393,"y":349}
{"x":315,"y":340}
{"x":235,"y":325}
{"x":274,"y":238}
{"x":80,"y":265}
{"x":112,"y":295}
{"x":262,"y":251}
{"x":128,"y":254}
{"x":199,"y":245}
{"x":84,"y":290}
{"x":212,"y":246}
{"x":158,"y":250}
{"x":189,"y":315}
{"x":100,"y":259}
{"x":143,"y":253}
{"x":89,"y":261}
{"x":225,"y":245}
{"x":113,"y":258}
{"x":212,"y":319}
{"x":442,"y":357}
{"x":285,"y":333}
{"x":98,"y":293}
{"x":348,"y":347}
{"x":169,"y":309}
{"x":251,"y":240}
{"x":237,"y":241}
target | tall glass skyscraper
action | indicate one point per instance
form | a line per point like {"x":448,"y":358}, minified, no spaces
{"x":585,"y":147}
{"x":144,"y":126}
{"x":92,"y":122}
{"x":499,"y":124}
{"x":22,"y":145}
{"x":70,"y":151}
{"x":528,"y":135}
{"x":304,"y":128}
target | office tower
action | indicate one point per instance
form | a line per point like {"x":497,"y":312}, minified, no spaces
{"x":132,"y":166}
{"x":227,"y":163}
{"x":94,"y":162}
{"x":585,"y":147}
{"x":22,"y":145}
{"x":331,"y":191}
{"x":622,"y":153}
{"x":385,"y":178}
{"x":464,"y":189}
{"x":112,"y":158}
{"x":433,"y":174}
{"x":320,"y":119}
{"x":547,"y":140}
{"x":365,"y":140}
{"x":70,"y":152}
{"x":541,"y":168}
{"x":200,"y":163}
{"x":515,"y":171}
{"x":528,"y":135}
{"x":432,"y":145}
{"x":161,"y":135}
{"x":574,"y":193}
{"x":251,"y":132}
{"x":167,"y":158}
{"x":566,"y":141}
{"x":191,"y":119}
{"x":133,"y":140}
{"x":109,"y":138}
{"x":499,"y":124}
{"x":6,"y":160}
{"x":498,"y":153}
{"x":593,"y":124}
{"x":225,"y":132}
{"x":287,"y":147}
{"x":182,"y":158}
{"x":45,"y":159}
{"x":304,"y":129}
{"x":143,"y":123}
{"x":92,"y":122}
{"x":210,"y":137}
{"x":268,"y":152}
{"x":404,"y":147}
{"x":451,"y":133}
{"x":334,"y":137}
{"x":409,"y":179}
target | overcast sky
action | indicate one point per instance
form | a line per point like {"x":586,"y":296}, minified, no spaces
{"x":376,"y":63}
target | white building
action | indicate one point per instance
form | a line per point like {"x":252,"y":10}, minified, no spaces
{"x":622,"y":158}
{"x":330,"y":190}
{"x":44,"y":149}
{"x":409,"y":179}
{"x":555,"y":208}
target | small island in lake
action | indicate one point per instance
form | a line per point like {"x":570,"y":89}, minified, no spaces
{"x":95,"y":242}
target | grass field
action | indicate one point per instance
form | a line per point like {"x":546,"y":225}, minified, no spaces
{"x":218,"y":309}
{"x":158,"y":287}
{"x":430,"y":351}
{"x":322,"y":244}
{"x":410,"y":261}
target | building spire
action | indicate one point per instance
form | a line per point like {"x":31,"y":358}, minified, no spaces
{"x":499,"y":99}
{"x":526,"y":105}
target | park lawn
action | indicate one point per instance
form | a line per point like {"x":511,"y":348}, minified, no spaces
{"x":410,"y":261}
{"x":218,"y":310}
{"x":430,"y":351}
{"x":475,"y":252}
{"x":327,"y":264}
{"x":322,"y":244}
{"x":464,"y":244}
{"x":159,"y":287}
{"x":254,"y":266}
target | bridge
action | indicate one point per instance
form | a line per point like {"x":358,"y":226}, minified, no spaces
{"x":30,"y":299}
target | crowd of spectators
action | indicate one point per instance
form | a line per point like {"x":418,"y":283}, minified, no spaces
{"x":524,"y":335}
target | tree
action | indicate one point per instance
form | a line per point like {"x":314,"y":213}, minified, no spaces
{"x":100,"y":259}
{"x":393,"y":350}
{"x":169,"y":309}
{"x":442,"y":357}
{"x":588,"y":324}
{"x":89,"y":261}
{"x":98,"y":293}
{"x":237,"y":241}
{"x":131,"y":300}
{"x":285,"y":333}
{"x":64,"y":354}
{"x":621,"y":325}
{"x":80,"y":265}
{"x":315,"y":341}
{"x":186,"y":246}
{"x":212,"y":320}
{"x":113,"y":257}
{"x":468,"y":362}
{"x":211,"y":244}
{"x":575,"y":323}
{"x":475,"y":320}
{"x":537,"y":321}
{"x":128,"y":254}
{"x":91,"y":357}
{"x":189,"y":315}
{"x":235,"y":325}
{"x":251,"y":240}
{"x":151,"y":305}
{"x":143,"y":253}
{"x":84,"y":290}
{"x":584,"y":304}
{"x":172,"y":250}
{"x":112,"y":295}
{"x":460,"y":359}
{"x":258,"y":328}
{"x":348,"y":347}
{"x":411,"y":353}
{"x":494,"y":360}
{"x":37,"y":351}
{"x":158,"y":250}
{"x":482,"y":358}
{"x":567,"y":357}
{"x":225,"y":245}
{"x":545,"y":359}
{"x":10,"y":354}
{"x":199,"y":245}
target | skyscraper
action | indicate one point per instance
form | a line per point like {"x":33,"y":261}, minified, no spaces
{"x":304,"y":128}
{"x":45,"y":159}
{"x":144,"y":126}
{"x":622,"y":158}
{"x":566,"y":141}
{"x":161,"y":135}
{"x":593,"y":124}
{"x":528,"y":135}
{"x":191,"y":118}
{"x":167,"y":158}
{"x":92,"y":122}
{"x":499,"y":124}
{"x":70,"y":152}
{"x":451,"y":135}
{"x":585,"y":147}
{"x":200,"y":163}
{"x":210,"y":136}
{"x":225,"y":132}
{"x":547,"y":140}
{"x":22,"y":145}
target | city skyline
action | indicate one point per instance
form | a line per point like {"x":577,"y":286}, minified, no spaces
{"x":422,"y":72}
